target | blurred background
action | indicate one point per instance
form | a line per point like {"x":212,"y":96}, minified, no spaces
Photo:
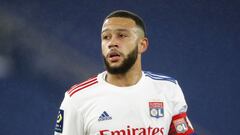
{"x":47,"y":46}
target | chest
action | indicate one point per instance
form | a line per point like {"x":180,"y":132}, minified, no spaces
{"x":127,"y":113}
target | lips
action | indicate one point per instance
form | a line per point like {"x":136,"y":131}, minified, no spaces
{"x":113,"y":56}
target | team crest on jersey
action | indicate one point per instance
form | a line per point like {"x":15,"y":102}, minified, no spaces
{"x":180,"y":125}
{"x":156,"y":109}
{"x":59,"y":122}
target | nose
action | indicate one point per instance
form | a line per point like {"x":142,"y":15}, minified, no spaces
{"x":113,"y":46}
{"x":113,"y":43}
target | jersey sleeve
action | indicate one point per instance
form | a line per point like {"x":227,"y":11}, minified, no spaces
{"x":178,"y":100}
{"x":69,"y":120}
{"x":180,"y":124}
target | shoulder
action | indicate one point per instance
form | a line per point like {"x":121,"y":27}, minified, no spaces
{"x":89,"y":83}
{"x":80,"y":93}
{"x":160,"y":77}
{"x":167,"y":85}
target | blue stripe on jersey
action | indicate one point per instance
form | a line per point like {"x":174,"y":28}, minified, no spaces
{"x":103,"y":115}
{"x":159,"y":77}
{"x":106,"y":113}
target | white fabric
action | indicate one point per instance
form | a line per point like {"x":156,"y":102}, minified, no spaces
{"x":127,"y":107}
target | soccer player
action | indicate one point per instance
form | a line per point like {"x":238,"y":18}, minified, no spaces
{"x":124,"y":99}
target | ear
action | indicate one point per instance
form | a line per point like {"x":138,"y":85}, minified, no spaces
{"x":143,"y":45}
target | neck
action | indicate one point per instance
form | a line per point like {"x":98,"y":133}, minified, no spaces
{"x":127,"y":79}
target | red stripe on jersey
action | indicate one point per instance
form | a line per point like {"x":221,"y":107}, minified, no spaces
{"x":180,"y":125}
{"x":84,"y":86}
{"x":81,"y":84}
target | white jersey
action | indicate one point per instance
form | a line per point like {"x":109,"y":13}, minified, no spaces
{"x":96,"y":107}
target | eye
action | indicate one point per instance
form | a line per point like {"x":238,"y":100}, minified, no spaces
{"x":121,"y":35}
{"x":106,"y":37}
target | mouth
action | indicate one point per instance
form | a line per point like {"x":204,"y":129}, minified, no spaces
{"x":114,"y":56}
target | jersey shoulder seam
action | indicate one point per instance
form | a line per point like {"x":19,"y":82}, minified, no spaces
{"x":161,"y":77}
{"x":83,"y":85}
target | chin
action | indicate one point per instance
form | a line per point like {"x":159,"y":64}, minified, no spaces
{"x":115,"y":64}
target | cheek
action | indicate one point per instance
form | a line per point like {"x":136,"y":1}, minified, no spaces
{"x":134,"y":46}
{"x":104,"y":50}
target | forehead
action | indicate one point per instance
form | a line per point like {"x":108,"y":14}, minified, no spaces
{"x":118,"y":22}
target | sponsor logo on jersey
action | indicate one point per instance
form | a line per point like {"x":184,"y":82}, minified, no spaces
{"x":59,"y":122}
{"x":134,"y":131}
{"x":104,"y":116}
{"x":156,"y":109}
{"x":180,"y":125}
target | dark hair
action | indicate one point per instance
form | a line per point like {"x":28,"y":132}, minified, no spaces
{"x":127,"y":14}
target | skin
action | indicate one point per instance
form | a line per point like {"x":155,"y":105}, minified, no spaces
{"x":121,"y":36}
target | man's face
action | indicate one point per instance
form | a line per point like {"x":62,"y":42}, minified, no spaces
{"x":119,"y":44}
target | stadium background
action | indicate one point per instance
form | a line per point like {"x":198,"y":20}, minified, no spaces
{"x":47,"y":46}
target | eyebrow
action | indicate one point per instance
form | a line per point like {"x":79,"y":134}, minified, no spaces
{"x":121,"y":30}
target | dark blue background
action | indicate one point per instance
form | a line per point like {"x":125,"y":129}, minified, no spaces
{"x":47,"y":46}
